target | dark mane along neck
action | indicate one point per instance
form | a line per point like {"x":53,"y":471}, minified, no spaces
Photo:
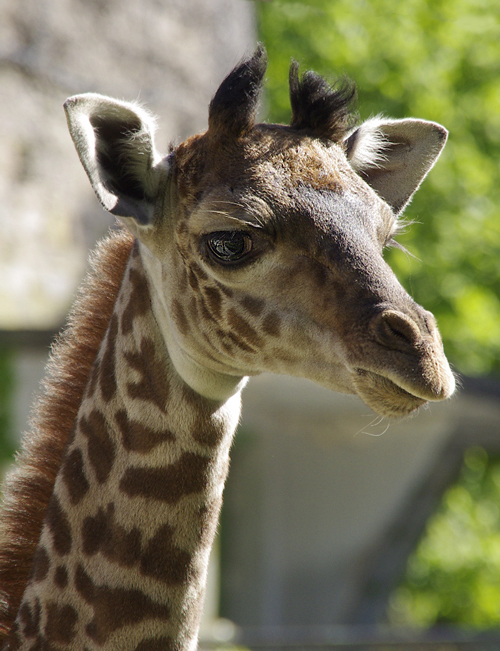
{"x":29,"y":486}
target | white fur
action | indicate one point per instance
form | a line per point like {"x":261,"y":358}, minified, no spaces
{"x":369,"y":146}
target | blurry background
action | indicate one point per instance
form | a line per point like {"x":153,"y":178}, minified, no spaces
{"x":331,"y":530}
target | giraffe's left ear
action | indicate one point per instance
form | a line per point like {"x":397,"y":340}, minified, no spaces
{"x":115,"y":143}
{"x":394,"y":156}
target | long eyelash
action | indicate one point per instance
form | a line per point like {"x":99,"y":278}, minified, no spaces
{"x":394,"y":244}
{"x":237,"y":220}
{"x":258,"y":223}
{"x":401,"y":226}
{"x":229,"y":203}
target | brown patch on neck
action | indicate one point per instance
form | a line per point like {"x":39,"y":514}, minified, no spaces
{"x":28,"y":489}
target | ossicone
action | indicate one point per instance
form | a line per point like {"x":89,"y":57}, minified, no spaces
{"x":234,"y":106}
{"x":319,"y":108}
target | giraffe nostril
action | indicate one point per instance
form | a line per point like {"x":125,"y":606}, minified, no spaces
{"x":396,"y":330}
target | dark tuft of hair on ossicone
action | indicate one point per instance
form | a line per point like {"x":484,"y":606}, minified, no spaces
{"x":325,"y":111}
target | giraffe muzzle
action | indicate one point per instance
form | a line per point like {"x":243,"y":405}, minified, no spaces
{"x":407,"y":366}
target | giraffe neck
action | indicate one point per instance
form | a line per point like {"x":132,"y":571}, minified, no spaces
{"x":124,"y":549}
{"x":217,"y":385}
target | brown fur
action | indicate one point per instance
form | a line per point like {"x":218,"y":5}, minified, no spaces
{"x":28,"y":489}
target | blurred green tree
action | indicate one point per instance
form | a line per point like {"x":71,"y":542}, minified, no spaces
{"x":453,"y":577}
{"x":438,"y":60}
{"x":6,"y":400}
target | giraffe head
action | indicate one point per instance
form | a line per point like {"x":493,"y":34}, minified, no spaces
{"x":263,"y":243}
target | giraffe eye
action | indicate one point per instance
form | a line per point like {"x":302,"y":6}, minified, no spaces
{"x":229,"y":247}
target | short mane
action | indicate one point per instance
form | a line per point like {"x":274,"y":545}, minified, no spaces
{"x":29,"y":485}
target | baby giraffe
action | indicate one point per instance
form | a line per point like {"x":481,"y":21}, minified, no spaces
{"x":249,"y":248}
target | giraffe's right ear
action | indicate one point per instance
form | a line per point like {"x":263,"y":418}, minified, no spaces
{"x":394,"y":156}
{"x":115,"y":143}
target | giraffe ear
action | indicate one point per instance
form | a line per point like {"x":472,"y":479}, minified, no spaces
{"x":115,"y":143}
{"x":394,"y":156}
{"x":234,"y":106}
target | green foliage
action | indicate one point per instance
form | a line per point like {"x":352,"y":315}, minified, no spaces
{"x":438,"y":60}
{"x":453,"y":577}
{"x":6,"y":396}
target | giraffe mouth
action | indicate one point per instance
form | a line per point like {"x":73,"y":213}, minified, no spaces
{"x":384,"y":396}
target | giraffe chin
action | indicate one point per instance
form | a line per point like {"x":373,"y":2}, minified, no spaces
{"x":384,"y":396}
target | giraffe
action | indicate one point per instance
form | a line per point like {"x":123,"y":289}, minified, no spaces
{"x":248,"y":248}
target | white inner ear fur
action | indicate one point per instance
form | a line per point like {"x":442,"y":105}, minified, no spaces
{"x":136,"y":152}
{"x":368,"y":148}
